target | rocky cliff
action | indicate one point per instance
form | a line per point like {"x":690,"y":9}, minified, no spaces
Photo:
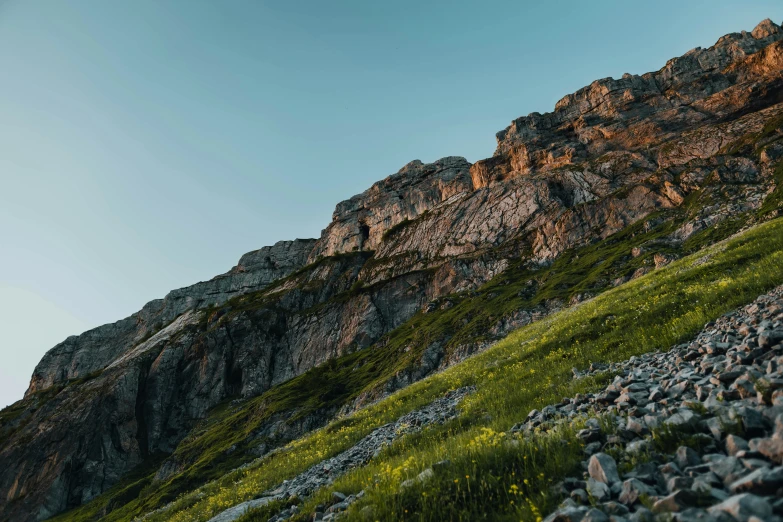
{"x":94,"y":350}
{"x":700,"y":139}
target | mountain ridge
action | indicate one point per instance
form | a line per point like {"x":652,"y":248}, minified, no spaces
{"x":610,"y":156}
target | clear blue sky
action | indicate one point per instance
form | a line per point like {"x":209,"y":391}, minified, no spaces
{"x":145,"y":145}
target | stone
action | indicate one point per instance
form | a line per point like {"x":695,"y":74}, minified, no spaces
{"x":676,"y":501}
{"x":726,"y":468}
{"x":637,"y":427}
{"x":762,"y":481}
{"x":686,"y":457}
{"x":340,"y":506}
{"x":613,"y":509}
{"x":642,"y":514}
{"x":633,"y":489}
{"x":638,"y":447}
{"x":715,"y":427}
{"x":589,"y":435}
{"x":569,"y":514}
{"x":675,"y":483}
{"x":597,"y":490}
{"x":744,"y":506}
{"x":744,"y":385}
{"x":770,"y":338}
{"x":735,"y":443}
{"x":778,"y":433}
{"x":684,"y":417}
{"x":753,"y":422}
{"x":592,"y":448}
{"x":603,"y":468}
{"x":595,"y":515}
{"x":441,"y":466}
{"x":765,"y":29}
{"x":425,"y":475}
{"x":409,"y":483}
{"x":579,"y":496}
{"x":772,"y":448}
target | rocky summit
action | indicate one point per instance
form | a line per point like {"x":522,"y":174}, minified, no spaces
{"x":422,"y":270}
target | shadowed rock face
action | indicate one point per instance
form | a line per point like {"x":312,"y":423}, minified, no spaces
{"x":609,"y":155}
{"x":94,"y":350}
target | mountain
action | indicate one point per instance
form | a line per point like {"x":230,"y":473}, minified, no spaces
{"x":423,"y":269}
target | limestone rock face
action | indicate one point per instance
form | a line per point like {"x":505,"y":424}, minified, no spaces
{"x":609,"y":156}
{"x":359,"y":223}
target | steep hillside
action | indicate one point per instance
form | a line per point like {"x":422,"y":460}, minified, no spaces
{"x":424,"y":268}
{"x":378,"y":458}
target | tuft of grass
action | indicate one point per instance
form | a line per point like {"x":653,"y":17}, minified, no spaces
{"x":666,"y":438}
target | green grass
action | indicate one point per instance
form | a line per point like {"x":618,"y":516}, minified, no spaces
{"x":530,"y":368}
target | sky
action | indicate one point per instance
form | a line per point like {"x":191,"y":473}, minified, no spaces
{"x":146,"y":145}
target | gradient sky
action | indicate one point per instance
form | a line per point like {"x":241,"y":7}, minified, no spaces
{"x":146,"y":145}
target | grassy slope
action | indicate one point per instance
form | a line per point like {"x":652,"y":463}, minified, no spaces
{"x":529,"y":369}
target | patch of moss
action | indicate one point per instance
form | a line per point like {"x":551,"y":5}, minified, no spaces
{"x":774,"y":201}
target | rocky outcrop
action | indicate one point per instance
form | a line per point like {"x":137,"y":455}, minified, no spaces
{"x":639,"y":112}
{"x":708,"y":124}
{"x":361,"y":222}
{"x":80,"y":355}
